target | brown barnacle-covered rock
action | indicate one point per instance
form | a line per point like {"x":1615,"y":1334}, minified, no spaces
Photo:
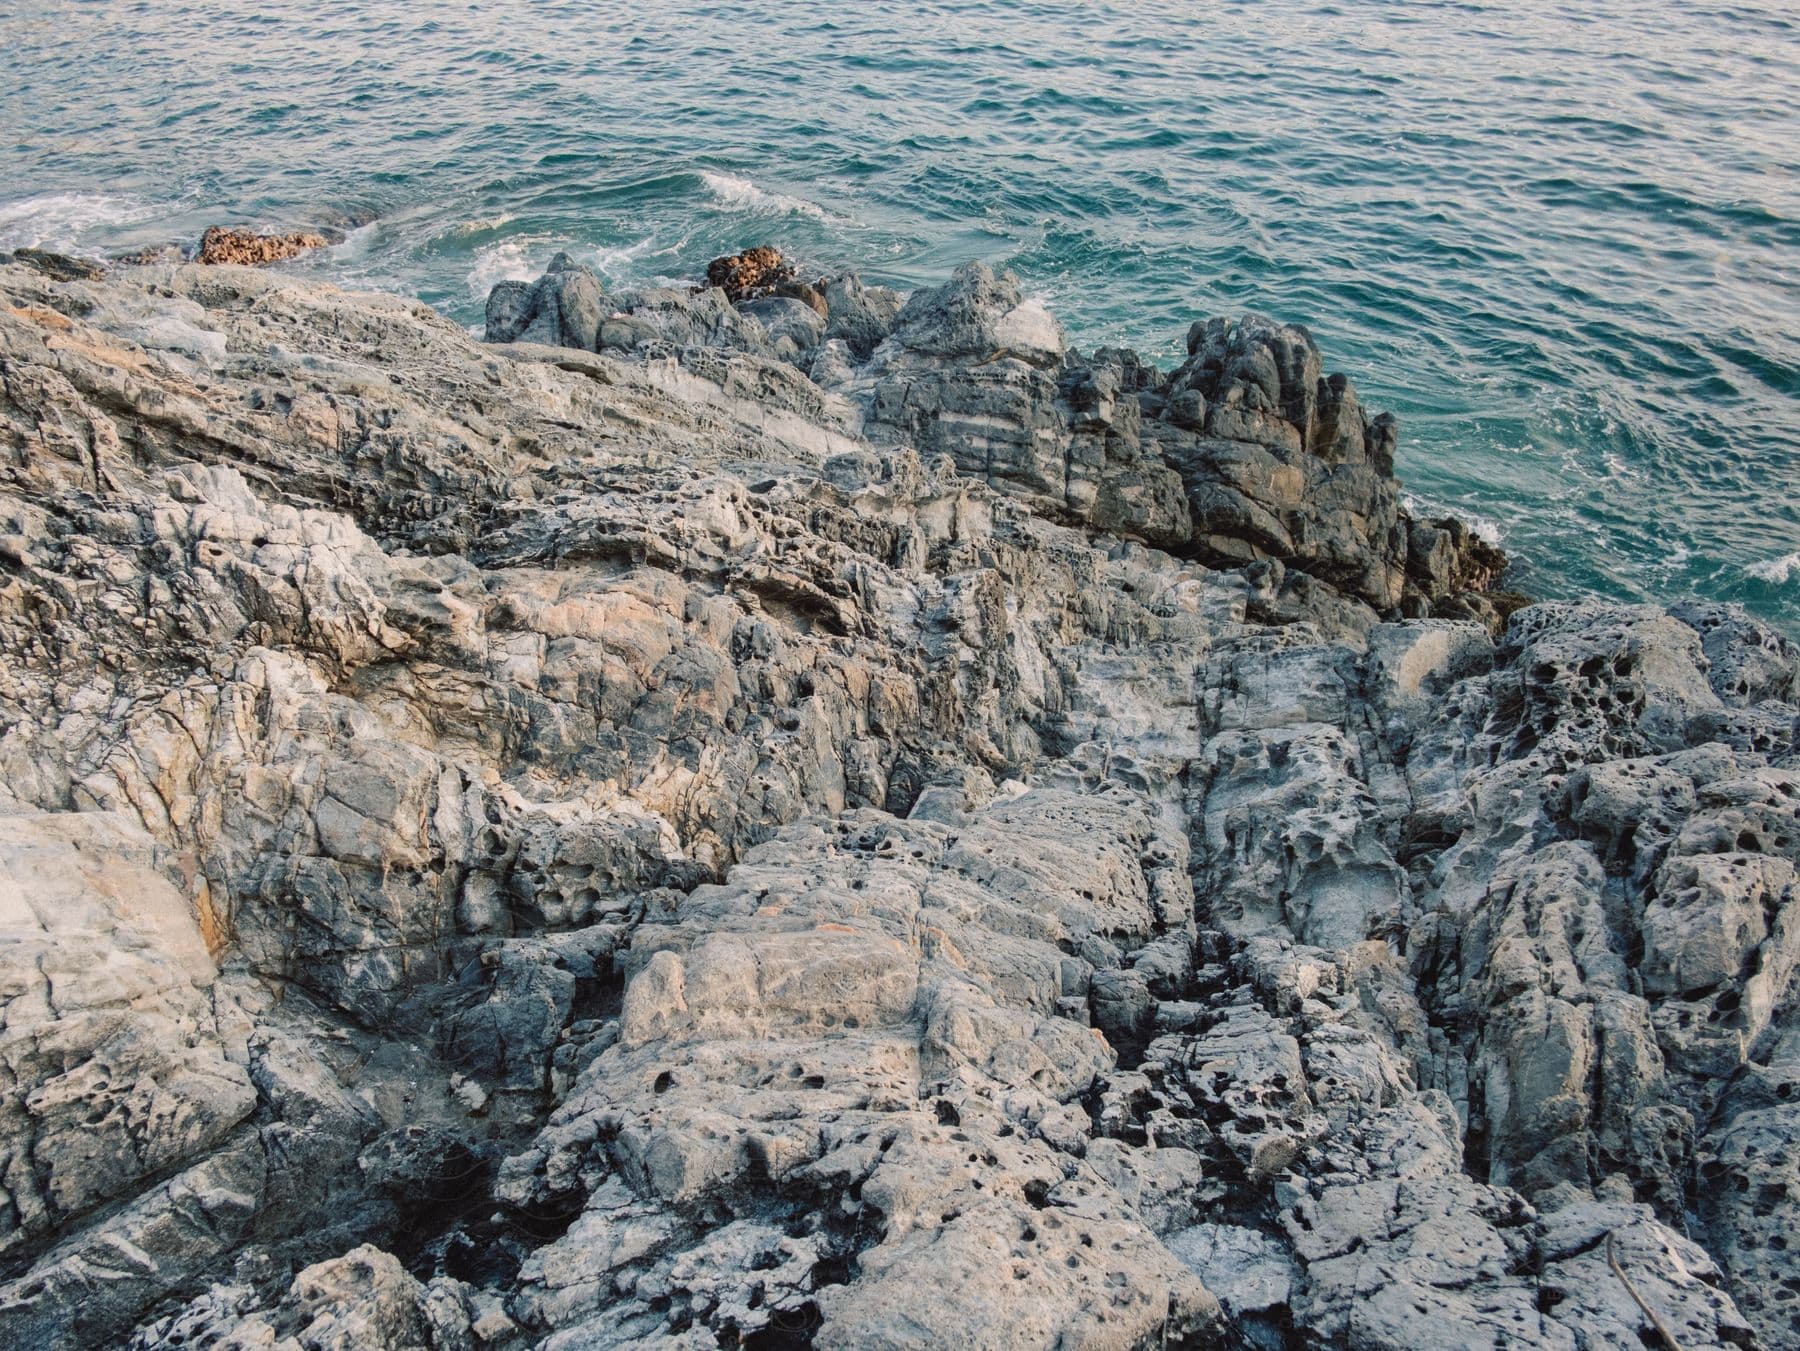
{"x":753,"y":273}
{"x":226,"y":244}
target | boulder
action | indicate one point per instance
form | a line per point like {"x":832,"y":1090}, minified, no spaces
{"x":976,"y":371}
{"x":861,"y":316}
{"x":1281,"y":463}
{"x":979,"y":315}
{"x":785,"y":319}
{"x":561,"y":309}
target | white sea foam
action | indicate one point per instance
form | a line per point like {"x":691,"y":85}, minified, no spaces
{"x":1488,"y":532}
{"x":59,"y":220}
{"x":615,"y":263}
{"x":482,"y":225}
{"x":518,"y":259}
{"x":1485,"y":530}
{"x":1615,"y":464}
{"x":1776,"y":571}
{"x":623,"y":264}
{"x":355,"y":245}
{"x":740,"y":194}
{"x":524,"y":257}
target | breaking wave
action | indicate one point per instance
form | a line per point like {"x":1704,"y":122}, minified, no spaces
{"x":740,"y":194}
{"x":61,"y":220}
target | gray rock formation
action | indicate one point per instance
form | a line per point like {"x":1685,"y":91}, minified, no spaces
{"x":712,"y":825}
{"x":562,"y":308}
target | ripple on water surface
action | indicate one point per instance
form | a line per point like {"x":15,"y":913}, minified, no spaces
{"x":1561,"y":241}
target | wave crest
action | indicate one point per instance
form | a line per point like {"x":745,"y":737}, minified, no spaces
{"x":1421,"y":509}
{"x":740,"y":194}
{"x":1776,"y":571}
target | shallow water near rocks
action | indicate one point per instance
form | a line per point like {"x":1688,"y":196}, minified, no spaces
{"x":1562,"y":242}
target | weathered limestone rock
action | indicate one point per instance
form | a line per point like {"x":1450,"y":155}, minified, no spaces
{"x":976,"y":371}
{"x":869,"y":1020}
{"x":364,"y":1299}
{"x":1245,"y":454}
{"x":114,"y":1065}
{"x":860,"y":316}
{"x":1280,"y":462}
{"x":843,"y":823}
{"x":788,"y":321}
{"x":665,"y":319}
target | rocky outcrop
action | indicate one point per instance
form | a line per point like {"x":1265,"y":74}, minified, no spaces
{"x":1247,"y":453}
{"x":716,"y":826}
{"x":1280,"y":462}
{"x":975,"y":371}
{"x":246,"y":248}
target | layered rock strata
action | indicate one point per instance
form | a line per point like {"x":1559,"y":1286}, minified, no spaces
{"x":694,"y":825}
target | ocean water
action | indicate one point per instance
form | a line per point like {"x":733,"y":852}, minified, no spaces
{"x":1561,"y":241}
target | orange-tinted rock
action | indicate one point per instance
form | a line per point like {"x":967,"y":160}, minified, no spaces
{"x":811,"y":294}
{"x":222,"y":244}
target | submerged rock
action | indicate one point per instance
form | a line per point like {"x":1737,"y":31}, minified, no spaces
{"x":602,"y":838}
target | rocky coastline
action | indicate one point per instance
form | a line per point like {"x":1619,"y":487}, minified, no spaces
{"x":782,"y":814}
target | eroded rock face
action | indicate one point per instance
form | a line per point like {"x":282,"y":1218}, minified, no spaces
{"x":1247,"y":453}
{"x":115,"y":1062}
{"x":905,"y":986}
{"x":979,"y":372}
{"x":742,"y":824}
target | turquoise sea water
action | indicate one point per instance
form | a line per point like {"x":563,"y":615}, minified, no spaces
{"x":1561,"y":241}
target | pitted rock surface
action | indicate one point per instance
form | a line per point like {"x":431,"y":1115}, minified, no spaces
{"x":247,"y":248}
{"x":837,"y":820}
